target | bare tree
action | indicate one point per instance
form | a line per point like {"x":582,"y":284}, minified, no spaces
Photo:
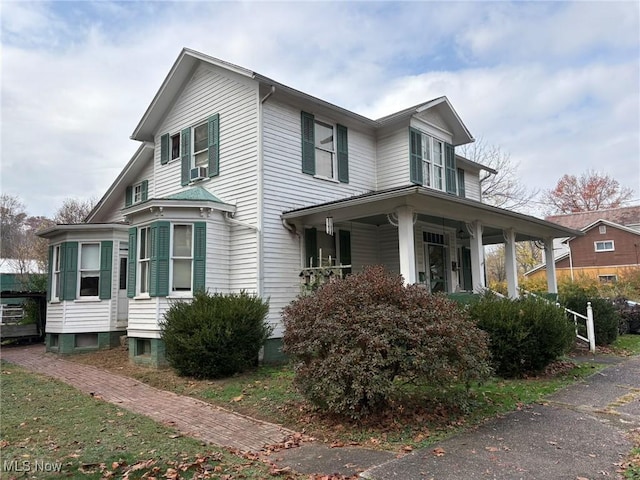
{"x":589,"y":192}
{"x":12,"y":217}
{"x":74,"y":210}
{"x":504,"y":188}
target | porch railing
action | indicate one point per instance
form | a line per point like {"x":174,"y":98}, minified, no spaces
{"x":312,"y":277}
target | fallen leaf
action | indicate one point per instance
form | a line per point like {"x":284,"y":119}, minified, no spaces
{"x":237,"y":399}
{"x":492,"y":449}
{"x":439,"y":452}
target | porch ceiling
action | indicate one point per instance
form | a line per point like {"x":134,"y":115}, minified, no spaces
{"x":433,"y":207}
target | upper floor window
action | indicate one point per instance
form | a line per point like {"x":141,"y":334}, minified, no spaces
{"x":325,"y":149}
{"x":603,"y":229}
{"x":136,"y":193}
{"x":198,"y":148}
{"x":604,"y":246}
{"x":175,"y":146}
{"x":432,"y":162}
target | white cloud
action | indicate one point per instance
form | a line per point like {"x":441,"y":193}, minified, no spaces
{"x":553,"y":83}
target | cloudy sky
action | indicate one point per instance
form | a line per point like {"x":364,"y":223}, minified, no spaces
{"x":554,"y":84}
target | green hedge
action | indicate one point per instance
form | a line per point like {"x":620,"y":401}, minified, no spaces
{"x":525,"y":335}
{"x":215,"y":335}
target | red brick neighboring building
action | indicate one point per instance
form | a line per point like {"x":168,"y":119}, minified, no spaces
{"x":610,"y":245}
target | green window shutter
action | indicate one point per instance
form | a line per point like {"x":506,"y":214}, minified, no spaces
{"x":132,"y":263}
{"x":70,"y":274}
{"x":343,"y":154}
{"x":461,"y":189}
{"x":185,"y":149}
{"x":160,"y":233}
{"x":345,"y":249}
{"x":128,"y":196}
{"x":451,"y":172}
{"x":415,"y":156}
{"x":144,"y":187}
{"x":164,"y":149}
{"x":199,"y":255}
{"x":214,"y":145}
{"x":106,"y":259}
{"x":308,"y":144}
{"x":50,"y":279}
{"x":310,"y":247}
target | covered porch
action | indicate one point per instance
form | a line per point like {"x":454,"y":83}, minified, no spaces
{"x":427,"y":236}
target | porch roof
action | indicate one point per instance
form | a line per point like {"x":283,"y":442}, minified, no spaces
{"x":431,"y":206}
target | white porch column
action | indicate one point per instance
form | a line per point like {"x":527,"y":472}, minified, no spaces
{"x":510,"y":262}
{"x":552,"y":282}
{"x":477,"y":256}
{"x":407,"y":249}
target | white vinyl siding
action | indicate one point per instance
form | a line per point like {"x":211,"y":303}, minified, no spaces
{"x":393,"y":159}
{"x":472,"y":186}
{"x":235,"y":98}
{"x":287,"y":188}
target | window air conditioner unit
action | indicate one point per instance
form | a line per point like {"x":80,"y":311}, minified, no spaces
{"x":198,"y":173}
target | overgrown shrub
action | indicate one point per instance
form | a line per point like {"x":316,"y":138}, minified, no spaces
{"x":354,"y":339}
{"x":629,"y":316}
{"x":605,"y":318}
{"x":215,"y":335}
{"x":525,"y":335}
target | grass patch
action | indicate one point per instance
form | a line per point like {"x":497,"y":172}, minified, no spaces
{"x":626,"y":345}
{"x":64,"y":433}
{"x":267,"y":393}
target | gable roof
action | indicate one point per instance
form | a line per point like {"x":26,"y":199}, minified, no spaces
{"x":612,"y":225}
{"x":625,"y":216}
{"x":188,"y":60}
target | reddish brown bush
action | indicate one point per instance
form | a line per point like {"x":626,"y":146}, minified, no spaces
{"x":355,"y":340}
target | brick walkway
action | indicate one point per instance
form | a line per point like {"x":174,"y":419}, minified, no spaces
{"x":189,"y":416}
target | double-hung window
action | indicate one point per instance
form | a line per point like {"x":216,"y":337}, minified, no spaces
{"x":182,"y":258}
{"x":604,"y":246}
{"x":171,"y":259}
{"x":56,"y":272}
{"x":136,"y":193}
{"x":89,"y":269}
{"x":197,"y":147}
{"x":432,"y":162}
{"x":325,"y":149}
{"x":144,"y":269}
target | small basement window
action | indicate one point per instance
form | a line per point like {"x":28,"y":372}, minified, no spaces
{"x":608,"y":278}
{"x":86,"y":340}
{"x":54,"y":340}
{"x":143,"y":347}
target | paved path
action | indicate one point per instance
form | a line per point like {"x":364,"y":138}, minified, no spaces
{"x":578,"y":433}
{"x":191,"y":417}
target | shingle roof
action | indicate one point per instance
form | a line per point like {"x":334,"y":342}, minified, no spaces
{"x":195,"y":193}
{"x":625,"y":216}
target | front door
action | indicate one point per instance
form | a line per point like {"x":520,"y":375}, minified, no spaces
{"x":435,"y":257}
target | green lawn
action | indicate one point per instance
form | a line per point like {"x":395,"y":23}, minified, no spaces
{"x":48,"y":427}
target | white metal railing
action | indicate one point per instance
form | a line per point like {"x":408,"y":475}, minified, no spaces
{"x":10,"y":314}
{"x":591,"y":336}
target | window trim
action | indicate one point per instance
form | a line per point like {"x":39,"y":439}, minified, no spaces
{"x":427,"y":165}
{"x":193,"y":152}
{"x":604,"y":243}
{"x":332,"y":152}
{"x":140,"y":260}
{"x":81,"y":270}
{"x":171,"y":158}
{"x":172,"y":258}
{"x":609,"y":278}
{"x":57,"y":273}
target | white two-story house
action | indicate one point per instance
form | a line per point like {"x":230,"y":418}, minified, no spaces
{"x":243,"y":183}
